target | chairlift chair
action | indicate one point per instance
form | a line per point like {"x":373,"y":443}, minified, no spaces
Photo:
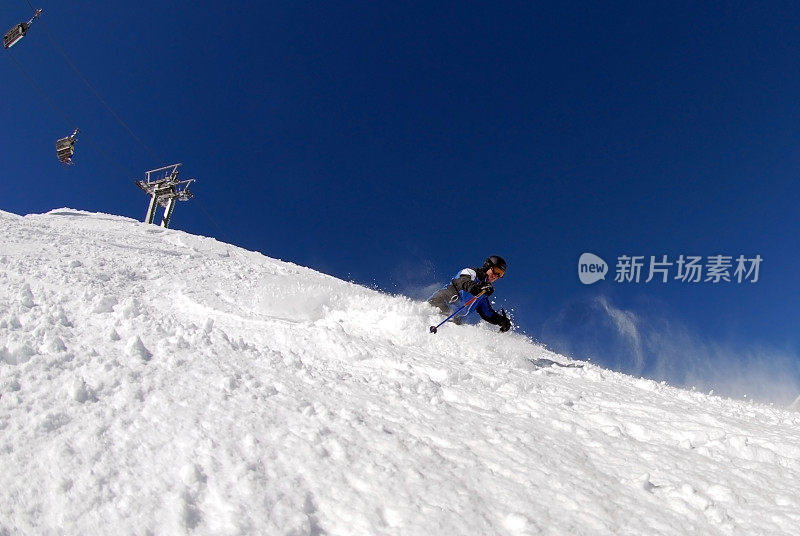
{"x":15,"y":34}
{"x":65,"y":148}
{"x":18,"y":32}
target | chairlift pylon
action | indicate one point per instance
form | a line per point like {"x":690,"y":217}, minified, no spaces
{"x":18,"y":32}
{"x":65,"y":148}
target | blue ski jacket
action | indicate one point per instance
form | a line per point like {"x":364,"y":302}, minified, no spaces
{"x":457,"y":293}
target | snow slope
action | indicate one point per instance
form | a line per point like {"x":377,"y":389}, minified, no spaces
{"x":156,"y":382}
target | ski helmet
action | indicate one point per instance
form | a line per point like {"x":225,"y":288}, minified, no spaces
{"x":495,"y":261}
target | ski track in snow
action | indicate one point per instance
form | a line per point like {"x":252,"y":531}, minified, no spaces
{"x":156,"y":382}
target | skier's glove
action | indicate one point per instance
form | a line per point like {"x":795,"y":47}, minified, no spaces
{"x":503,"y":321}
{"x":486,"y":288}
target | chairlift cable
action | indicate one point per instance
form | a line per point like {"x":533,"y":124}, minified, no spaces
{"x":91,"y":87}
{"x":65,"y":116}
{"x":108,"y":107}
{"x":41,"y":91}
{"x":214,"y":222}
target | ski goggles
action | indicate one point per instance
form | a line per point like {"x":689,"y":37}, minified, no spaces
{"x":499,"y":272}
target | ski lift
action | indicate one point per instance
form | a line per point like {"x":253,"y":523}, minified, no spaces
{"x":18,"y":32}
{"x":65,"y":148}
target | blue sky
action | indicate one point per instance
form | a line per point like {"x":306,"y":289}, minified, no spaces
{"x":394,"y":143}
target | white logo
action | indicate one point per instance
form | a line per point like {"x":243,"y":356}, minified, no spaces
{"x":591,"y":268}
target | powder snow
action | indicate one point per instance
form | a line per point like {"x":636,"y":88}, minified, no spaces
{"x":157,"y":382}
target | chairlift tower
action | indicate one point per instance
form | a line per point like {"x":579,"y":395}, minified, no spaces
{"x":164,"y":188}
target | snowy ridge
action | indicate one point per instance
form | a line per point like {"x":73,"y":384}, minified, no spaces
{"x":156,"y":382}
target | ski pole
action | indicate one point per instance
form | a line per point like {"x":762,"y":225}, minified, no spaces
{"x":435,"y":328}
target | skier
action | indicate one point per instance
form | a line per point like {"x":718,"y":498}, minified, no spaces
{"x":471,"y":282}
